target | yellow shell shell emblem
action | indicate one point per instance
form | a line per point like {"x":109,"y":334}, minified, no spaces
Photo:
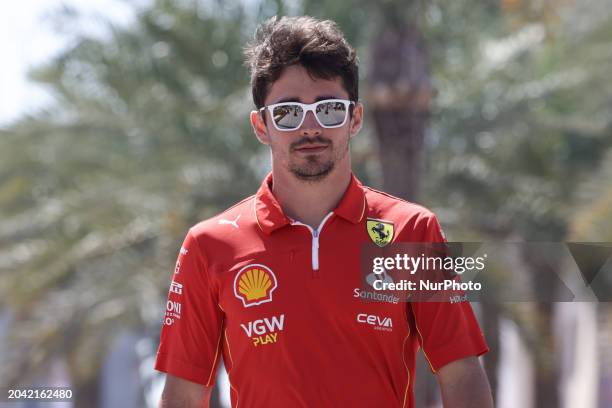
{"x":380,"y":231}
{"x":254,"y":285}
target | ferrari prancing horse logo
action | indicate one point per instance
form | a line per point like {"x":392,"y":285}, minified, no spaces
{"x":380,"y":231}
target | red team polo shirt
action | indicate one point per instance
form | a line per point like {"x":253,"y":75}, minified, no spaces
{"x":281,"y":303}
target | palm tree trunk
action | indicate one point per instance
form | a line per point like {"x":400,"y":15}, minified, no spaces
{"x":399,"y":100}
{"x":86,"y":392}
{"x":543,"y":265}
{"x":491,"y":328}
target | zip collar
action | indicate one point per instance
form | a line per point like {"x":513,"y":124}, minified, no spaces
{"x":270,"y":215}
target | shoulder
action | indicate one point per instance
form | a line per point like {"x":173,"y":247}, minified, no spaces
{"x":238,"y":218}
{"x":385,"y":206}
{"x":411,"y":222}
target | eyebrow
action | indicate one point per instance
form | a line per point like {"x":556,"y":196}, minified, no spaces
{"x":317,"y":99}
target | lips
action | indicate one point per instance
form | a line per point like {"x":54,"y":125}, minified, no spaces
{"x":310,"y":145}
{"x":311,"y":148}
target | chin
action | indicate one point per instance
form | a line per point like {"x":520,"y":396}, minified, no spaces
{"x":312,"y":174}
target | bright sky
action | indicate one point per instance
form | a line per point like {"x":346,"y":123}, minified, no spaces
{"x":29,"y":38}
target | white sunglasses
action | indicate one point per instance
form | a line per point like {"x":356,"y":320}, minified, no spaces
{"x":330,"y":113}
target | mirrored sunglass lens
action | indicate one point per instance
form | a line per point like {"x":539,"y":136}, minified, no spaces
{"x":331,"y":113}
{"x":287,"y":116}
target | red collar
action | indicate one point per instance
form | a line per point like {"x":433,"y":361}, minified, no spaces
{"x":270,"y":215}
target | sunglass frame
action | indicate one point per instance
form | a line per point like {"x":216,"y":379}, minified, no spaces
{"x":309,"y":107}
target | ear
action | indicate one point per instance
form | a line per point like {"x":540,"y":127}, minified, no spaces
{"x":259,"y":127}
{"x":356,"y":120}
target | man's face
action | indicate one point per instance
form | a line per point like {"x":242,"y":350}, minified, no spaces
{"x":310,"y":152}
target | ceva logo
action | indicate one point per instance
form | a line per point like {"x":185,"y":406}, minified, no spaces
{"x":379,"y":323}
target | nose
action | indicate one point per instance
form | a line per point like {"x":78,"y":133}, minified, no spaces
{"x":310,"y":126}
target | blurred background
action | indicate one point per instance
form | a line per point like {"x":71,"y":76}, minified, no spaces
{"x":123,"y":123}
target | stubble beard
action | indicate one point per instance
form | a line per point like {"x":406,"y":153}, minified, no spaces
{"x":313,"y":170}
{"x":317,"y":169}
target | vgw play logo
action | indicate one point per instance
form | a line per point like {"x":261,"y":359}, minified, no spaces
{"x":264,"y":331}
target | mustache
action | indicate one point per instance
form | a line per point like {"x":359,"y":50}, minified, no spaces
{"x":309,"y":140}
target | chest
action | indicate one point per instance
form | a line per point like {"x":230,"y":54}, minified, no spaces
{"x":305,"y":286}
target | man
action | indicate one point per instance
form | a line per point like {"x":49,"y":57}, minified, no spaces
{"x":270,"y":284}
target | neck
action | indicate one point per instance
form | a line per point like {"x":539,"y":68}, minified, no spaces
{"x":309,"y":202}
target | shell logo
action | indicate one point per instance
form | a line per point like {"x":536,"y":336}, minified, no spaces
{"x":254,"y":285}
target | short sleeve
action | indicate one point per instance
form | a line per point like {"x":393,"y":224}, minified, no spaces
{"x":190,"y":340}
{"x":446,"y":331}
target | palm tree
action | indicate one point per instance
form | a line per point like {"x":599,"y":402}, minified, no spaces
{"x":98,"y":191}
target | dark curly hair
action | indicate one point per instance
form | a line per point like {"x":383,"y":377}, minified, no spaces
{"x":318,"y":45}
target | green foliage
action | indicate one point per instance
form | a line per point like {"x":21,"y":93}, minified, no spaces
{"x":592,"y":219}
{"x":519,"y":122}
{"x":148,"y":136}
